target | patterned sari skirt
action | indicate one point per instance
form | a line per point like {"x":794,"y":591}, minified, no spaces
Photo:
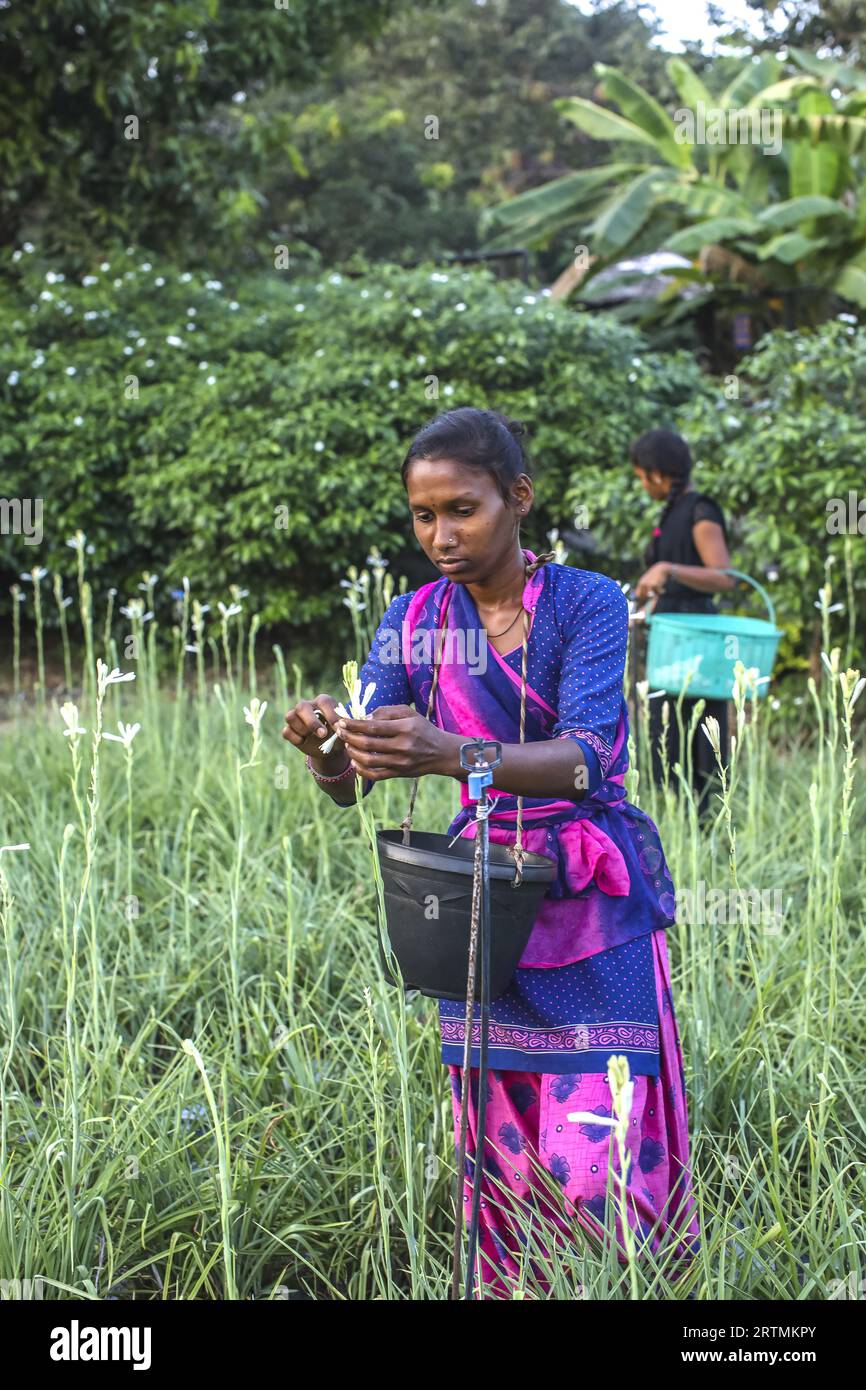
{"x":526,"y":1124}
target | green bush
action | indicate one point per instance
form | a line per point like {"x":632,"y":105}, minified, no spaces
{"x":171,"y":417}
{"x":253,"y":433}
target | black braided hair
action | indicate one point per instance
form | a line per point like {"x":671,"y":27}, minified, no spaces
{"x":663,"y":451}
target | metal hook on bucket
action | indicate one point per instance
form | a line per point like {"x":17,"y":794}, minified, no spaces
{"x":487,"y":756}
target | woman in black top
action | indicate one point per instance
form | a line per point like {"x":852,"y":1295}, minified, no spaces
{"x":684,"y":560}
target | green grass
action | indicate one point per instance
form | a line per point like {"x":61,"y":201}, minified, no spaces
{"x":198,"y":1099}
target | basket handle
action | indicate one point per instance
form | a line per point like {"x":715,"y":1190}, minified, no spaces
{"x":760,"y":588}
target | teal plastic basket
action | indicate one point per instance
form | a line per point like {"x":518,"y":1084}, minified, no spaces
{"x":709,"y":645}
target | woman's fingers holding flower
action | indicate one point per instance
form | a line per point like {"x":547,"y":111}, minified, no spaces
{"x":396,"y":741}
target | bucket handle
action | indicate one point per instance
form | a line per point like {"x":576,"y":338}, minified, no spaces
{"x":760,"y":588}
{"x":740,"y":574}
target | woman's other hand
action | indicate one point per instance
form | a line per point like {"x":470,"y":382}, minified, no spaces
{"x":305,"y":730}
{"x":395,"y":741}
{"x":653,"y":581}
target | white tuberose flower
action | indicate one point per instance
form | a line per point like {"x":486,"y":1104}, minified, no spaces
{"x":69,"y":715}
{"x":254,"y":711}
{"x":126,"y":735}
{"x":105,"y":678}
{"x":357,"y":705}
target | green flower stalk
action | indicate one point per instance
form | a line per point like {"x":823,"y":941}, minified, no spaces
{"x":62,"y":605}
{"x":621,"y":1096}
{"x":358,"y":710}
{"x":17,"y":598}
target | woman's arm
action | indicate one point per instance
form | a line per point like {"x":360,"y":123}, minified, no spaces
{"x":708,"y":578}
{"x":553,"y":768}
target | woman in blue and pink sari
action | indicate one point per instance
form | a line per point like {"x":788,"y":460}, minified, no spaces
{"x":594,"y":979}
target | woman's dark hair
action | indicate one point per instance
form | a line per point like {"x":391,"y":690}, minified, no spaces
{"x":477,"y":438}
{"x":663,"y":451}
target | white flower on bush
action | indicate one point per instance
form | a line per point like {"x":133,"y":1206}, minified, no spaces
{"x":213,"y":284}
{"x":416,"y":313}
{"x":318,"y":446}
{"x":90,"y":280}
{"x":126,"y":735}
{"x":299,"y":308}
{"x":12,"y":379}
{"x":460,"y":307}
{"x":71,"y":371}
{"x":393,"y":383}
{"x":174,"y":341}
{"x":160,"y":281}
{"x":46,"y":294}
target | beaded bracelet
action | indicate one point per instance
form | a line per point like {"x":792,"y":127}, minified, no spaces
{"x":339,"y":777}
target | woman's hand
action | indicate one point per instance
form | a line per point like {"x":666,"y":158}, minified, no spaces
{"x":395,"y":741}
{"x":654,"y":580}
{"x":305,"y":730}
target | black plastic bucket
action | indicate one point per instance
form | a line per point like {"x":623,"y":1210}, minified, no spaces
{"x":433,"y":950}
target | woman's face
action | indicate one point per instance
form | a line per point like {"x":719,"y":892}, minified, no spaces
{"x":656,"y":484}
{"x":460,"y":512}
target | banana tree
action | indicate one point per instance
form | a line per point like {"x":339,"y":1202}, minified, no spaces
{"x":773,"y":216}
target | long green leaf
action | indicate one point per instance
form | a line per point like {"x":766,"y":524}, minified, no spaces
{"x":847,"y":133}
{"x":831,"y":72}
{"x":790,"y":247}
{"x":687,"y":83}
{"x":786,"y":90}
{"x":644,"y":111}
{"x":796,"y":210}
{"x":717,"y":229}
{"x":600,"y":123}
{"x":550,"y":199}
{"x":756,"y":75}
{"x":816,"y":165}
{"x":704,"y":198}
{"x":622,"y":217}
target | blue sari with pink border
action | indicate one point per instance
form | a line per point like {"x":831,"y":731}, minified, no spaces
{"x":585,"y":985}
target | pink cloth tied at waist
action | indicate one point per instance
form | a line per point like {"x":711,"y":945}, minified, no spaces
{"x":588,"y":853}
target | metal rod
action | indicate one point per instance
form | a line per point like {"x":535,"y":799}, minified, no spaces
{"x":481,"y":1128}
{"x":464,"y":1101}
